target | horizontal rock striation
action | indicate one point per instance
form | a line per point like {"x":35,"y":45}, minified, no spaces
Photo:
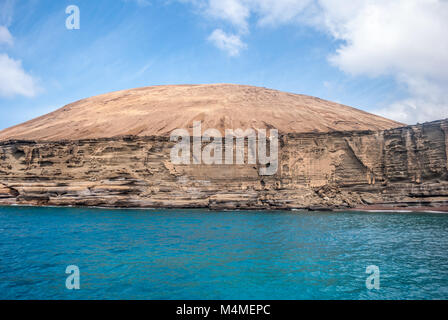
{"x":402,"y":167}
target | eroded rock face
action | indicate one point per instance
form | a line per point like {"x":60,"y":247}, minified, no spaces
{"x":398,"y":167}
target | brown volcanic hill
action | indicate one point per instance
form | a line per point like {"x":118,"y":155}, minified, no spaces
{"x":159,"y":110}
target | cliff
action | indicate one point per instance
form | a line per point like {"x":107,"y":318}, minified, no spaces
{"x":404,"y":167}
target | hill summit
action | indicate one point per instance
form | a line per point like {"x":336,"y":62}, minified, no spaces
{"x":158,"y":110}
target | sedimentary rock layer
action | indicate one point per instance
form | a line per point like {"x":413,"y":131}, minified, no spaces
{"x":405,"y":166}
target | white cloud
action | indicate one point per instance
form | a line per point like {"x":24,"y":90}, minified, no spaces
{"x":5,"y":36}
{"x":405,"y":39}
{"x":393,"y":36}
{"x":14,"y":80}
{"x":230,"y":43}
{"x":266,"y":12}
{"x":233,"y":11}
{"x":277,"y":12}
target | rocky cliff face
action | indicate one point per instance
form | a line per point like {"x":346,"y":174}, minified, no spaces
{"x":406,"y":166}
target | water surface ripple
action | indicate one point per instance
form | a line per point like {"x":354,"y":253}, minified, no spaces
{"x":198,"y":254}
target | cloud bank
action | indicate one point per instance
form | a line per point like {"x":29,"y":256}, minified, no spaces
{"x":405,"y":39}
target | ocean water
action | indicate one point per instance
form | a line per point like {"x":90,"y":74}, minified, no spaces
{"x":199,"y":254}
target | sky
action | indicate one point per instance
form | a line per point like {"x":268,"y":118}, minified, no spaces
{"x":388,"y":57}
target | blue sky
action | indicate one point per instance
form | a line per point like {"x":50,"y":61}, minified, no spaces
{"x":301,"y":46}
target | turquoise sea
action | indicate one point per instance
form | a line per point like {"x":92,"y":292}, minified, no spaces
{"x":200,"y":254}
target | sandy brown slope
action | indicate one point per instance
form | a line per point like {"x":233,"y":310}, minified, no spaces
{"x":159,"y":110}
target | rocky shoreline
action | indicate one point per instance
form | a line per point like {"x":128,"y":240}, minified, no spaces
{"x":404,"y":168}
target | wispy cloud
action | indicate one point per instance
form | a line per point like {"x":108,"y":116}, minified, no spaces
{"x":234,"y":11}
{"x":6,"y":12}
{"x":141,"y":3}
{"x":230,"y":43}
